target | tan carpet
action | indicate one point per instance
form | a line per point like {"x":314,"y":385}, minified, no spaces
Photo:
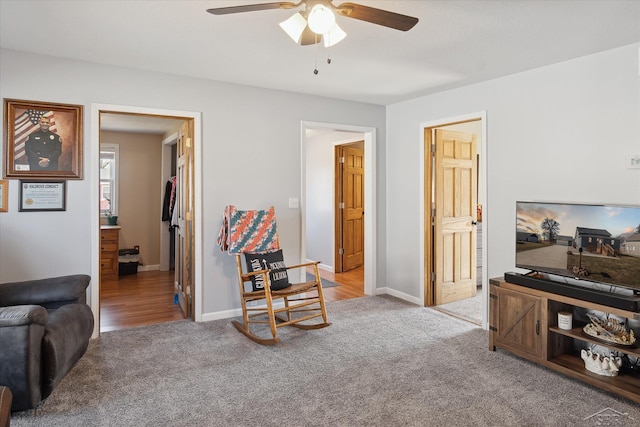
{"x":383,"y":362}
{"x":469,"y":309}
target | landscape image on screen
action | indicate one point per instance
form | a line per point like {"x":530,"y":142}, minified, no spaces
{"x":589,"y":242}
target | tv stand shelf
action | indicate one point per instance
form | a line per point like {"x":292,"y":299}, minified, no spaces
{"x":523,"y":321}
{"x":577,"y":333}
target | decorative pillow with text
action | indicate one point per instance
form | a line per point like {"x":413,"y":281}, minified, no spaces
{"x":273,"y":261}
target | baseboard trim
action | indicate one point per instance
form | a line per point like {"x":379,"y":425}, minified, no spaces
{"x":398,"y":294}
{"x":149,"y":267}
{"x":228,"y":314}
{"x":322,"y":266}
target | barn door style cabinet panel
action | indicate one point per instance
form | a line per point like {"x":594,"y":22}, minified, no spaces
{"x":517,"y":319}
{"x":524,"y":321}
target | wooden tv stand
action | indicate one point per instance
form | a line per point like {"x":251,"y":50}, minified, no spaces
{"x":523,"y":321}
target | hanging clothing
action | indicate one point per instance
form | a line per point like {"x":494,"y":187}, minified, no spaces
{"x":172,"y":199}
{"x":166,"y":202}
{"x":169,"y":199}
{"x":174,"y":212}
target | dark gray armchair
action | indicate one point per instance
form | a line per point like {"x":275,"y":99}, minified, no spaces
{"x":45,"y":327}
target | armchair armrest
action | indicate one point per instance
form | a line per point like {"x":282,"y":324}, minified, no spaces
{"x":21,"y":331}
{"x":18,"y":315}
{"x":50,"y":293}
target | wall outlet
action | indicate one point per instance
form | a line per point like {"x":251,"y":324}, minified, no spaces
{"x":294,"y":203}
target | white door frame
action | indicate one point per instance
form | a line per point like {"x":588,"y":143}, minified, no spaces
{"x":482,"y":181}
{"x":94,"y":151}
{"x":369,"y":195}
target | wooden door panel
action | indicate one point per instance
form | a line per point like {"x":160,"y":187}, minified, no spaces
{"x":448,"y":251}
{"x":465,"y":193}
{"x":466,"y":246}
{"x":454,"y":219}
{"x":353,"y":212}
{"x":184,"y":206}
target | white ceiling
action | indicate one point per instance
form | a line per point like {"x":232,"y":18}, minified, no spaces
{"x":456,"y":43}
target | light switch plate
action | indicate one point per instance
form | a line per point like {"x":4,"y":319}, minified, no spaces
{"x":294,"y":203}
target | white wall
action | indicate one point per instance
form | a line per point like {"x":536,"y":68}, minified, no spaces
{"x":557,"y":133}
{"x":319,"y":195}
{"x":546,"y":128}
{"x":250,"y":158}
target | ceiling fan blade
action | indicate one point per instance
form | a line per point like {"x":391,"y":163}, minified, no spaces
{"x":309,"y":37}
{"x":252,"y":7}
{"x":377,"y":16}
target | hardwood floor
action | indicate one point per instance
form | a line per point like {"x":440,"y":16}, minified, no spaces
{"x":138,"y":299}
{"x":351,"y":284}
{"x":146,"y":298}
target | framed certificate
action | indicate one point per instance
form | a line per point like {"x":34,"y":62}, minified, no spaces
{"x":42,"y":196}
{"x":4,"y":190}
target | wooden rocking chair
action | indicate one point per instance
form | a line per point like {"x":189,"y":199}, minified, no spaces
{"x":253,"y":234}
{"x":302,"y":302}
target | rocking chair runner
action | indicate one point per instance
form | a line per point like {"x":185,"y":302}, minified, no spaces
{"x":254,"y":232}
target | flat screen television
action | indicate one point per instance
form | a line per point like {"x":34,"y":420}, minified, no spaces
{"x":599,"y":244}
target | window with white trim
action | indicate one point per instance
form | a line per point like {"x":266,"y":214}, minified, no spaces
{"x":109,"y":179}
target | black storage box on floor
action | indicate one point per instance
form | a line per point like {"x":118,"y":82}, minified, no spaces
{"x":128,"y":261}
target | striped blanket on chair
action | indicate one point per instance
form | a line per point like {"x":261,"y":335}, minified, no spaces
{"x":248,"y":231}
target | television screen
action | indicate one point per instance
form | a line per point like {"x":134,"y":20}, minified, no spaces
{"x":597,"y":243}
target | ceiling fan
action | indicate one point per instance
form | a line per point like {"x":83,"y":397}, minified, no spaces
{"x":317,"y":21}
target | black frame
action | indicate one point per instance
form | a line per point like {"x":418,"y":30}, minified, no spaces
{"x":22,"y":203}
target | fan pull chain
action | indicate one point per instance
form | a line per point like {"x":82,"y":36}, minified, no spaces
{"x":315,"y":70}
{"x":315,"y":50}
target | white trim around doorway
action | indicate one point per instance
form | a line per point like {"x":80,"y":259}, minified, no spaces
{"x":94,"y":150}
{"x":370,"y":239}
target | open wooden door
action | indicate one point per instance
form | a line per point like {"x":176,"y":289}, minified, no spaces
{"x":350,"y":212}
{"x":454,"y":216}
{"x":184,"y":261}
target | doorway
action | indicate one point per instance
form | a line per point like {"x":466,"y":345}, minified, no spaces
{"x":189,"y":201}
{"x":317,"y":200}
{"x":454,"y":195}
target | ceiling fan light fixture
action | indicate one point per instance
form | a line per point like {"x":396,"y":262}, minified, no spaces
{"x":321,"y":19}
{"x":294,"y":26}
{"x":334,"y":36}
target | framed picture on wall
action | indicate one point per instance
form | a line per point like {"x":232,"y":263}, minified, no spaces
{"x":42,"y":196}
{"x":4,"y":191}
{"x":42,"y":140}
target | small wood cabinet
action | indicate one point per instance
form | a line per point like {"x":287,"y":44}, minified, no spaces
{"x":517,"y":321}
{"x":109,"y":252}
{"x":524,"y":321}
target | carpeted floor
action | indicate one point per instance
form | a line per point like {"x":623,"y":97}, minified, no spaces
{"x":383,"y":362}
